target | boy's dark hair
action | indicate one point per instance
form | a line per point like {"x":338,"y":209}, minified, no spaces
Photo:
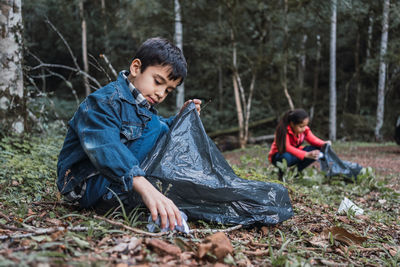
{"x":160,"y":51}
{"x":295,"y":116}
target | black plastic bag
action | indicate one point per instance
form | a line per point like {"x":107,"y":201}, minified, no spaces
{"x":203,"y":185}
{"x":332,"y":165}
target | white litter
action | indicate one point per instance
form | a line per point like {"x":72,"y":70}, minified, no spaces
{"x":347,"y":205}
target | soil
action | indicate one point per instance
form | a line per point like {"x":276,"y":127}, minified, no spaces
{"x":384,"y":159}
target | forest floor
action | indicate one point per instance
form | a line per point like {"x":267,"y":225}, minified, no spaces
{"x":36,"y":228}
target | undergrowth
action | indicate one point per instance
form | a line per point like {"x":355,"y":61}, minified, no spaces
{"x":28,"y":175}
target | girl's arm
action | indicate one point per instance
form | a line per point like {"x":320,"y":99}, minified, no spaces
{"x":312,"y":139}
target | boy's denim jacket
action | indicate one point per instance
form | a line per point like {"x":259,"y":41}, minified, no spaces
{"x":97,"y":138}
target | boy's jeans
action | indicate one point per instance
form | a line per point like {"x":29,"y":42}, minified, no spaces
{"x":293,"y":160}
{"x":100,"y":191}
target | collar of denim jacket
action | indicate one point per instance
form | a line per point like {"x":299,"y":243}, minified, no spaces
{"x":125,"y":93}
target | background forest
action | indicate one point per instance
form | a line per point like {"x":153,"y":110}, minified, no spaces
{"x":277,"y":44}
{"x":249,"y":61}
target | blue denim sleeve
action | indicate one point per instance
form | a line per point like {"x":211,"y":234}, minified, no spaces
{"x":168,"y":121}
{"x":98,"y":125}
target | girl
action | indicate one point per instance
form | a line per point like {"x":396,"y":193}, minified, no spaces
{"x":290,"y":133}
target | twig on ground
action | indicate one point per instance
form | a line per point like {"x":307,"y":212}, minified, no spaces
{"x":12,"y":228}
{"x":53,"y":203}
{"x":135,"y":230}
{"x":43,"y":231}
{"x":12,"y":250}
{"x":5,"y":217}
{"x":230,"y":229}
{"x":257,"y":253}
{"x":255,"y":244}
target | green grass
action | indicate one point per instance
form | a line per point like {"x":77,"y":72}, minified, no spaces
{"x":28,"y":175}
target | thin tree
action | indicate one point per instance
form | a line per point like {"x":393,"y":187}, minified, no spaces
{"x":243,"y":106}
{"x":12,"y":107}
{"x":285,"y":57}
{"x":382,"y":71}
{"x":84,"y":47}
{"x":180,"y":96}
{"x":316,"y":77}
{"x":332,"y":75}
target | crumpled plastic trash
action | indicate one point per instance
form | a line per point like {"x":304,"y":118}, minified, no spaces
{"x":202,"y":184}
{"x":332,"y":165}
{"x":347,"y":205}
{"x":151,"y":226}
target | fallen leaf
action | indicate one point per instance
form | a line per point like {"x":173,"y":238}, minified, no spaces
{"x":54,"y":221}
{"x":342,"y":235}
{"x":121,"y":247}
{"x":203,"y":249}
{"x":30,"y":212}
{"x":26,"y":242}
{"x":264,"y":230}
{"x":185,"y":245}
{"x":57,"y":235}
{"x":220,"y":245}
{"x":163,"y":247}
{"x":362,"y":217}
{"x":320,"y":240}
{"x":134,"y":243}
{"x":392,"y":250}
{"x":344,"y":219}
{"x":103,"y":241}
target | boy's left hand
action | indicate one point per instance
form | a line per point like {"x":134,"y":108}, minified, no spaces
{"x":197,"y":102}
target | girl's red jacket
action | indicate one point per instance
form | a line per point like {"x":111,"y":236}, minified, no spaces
{"x":293,"y":143}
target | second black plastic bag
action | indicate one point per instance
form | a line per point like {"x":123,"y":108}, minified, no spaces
{"x":189,"y":166}
{"x":333,"y":165}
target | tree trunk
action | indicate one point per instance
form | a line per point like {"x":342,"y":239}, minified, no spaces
{"x":105,"y":28}
{"x":302,"y":68}
{"x":369,"y":40}
{"x":285,"y":58}
{"x":84,"y":48}
{"x":358,"y":76}
{"x":316,"y":78}
{"x":332,"y":75}
{"x":180,"y":96}
{"x":220,"y":75}
{"x":239,"y":109}
{"x":382,"y":71}
{"x":12,"y":107}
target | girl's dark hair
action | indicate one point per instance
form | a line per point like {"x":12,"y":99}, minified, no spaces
{"x":160,"y":51}
{"x":296,"y":116}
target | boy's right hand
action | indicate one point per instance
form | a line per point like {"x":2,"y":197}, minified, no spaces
{"x":157,"y":203}
{"x":312,"y":154}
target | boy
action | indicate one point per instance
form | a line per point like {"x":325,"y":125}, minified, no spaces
{"x":115,"y":128}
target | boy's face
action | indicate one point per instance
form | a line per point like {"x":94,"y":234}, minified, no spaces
{"x":153,"y":83}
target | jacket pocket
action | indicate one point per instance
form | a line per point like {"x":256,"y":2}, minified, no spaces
{"x":131,"y":131}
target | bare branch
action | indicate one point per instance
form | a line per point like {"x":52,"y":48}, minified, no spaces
{"x":79,"y":71}
{"x":64,"y":41}
{"x":51,"y":73}
{"x":5,"y":217}
{"x":98,"y":66}
{"x":230,"y":229}
{"x":135,"y":230}
{"x":109,"y":65}
{"x":43,"y":231}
